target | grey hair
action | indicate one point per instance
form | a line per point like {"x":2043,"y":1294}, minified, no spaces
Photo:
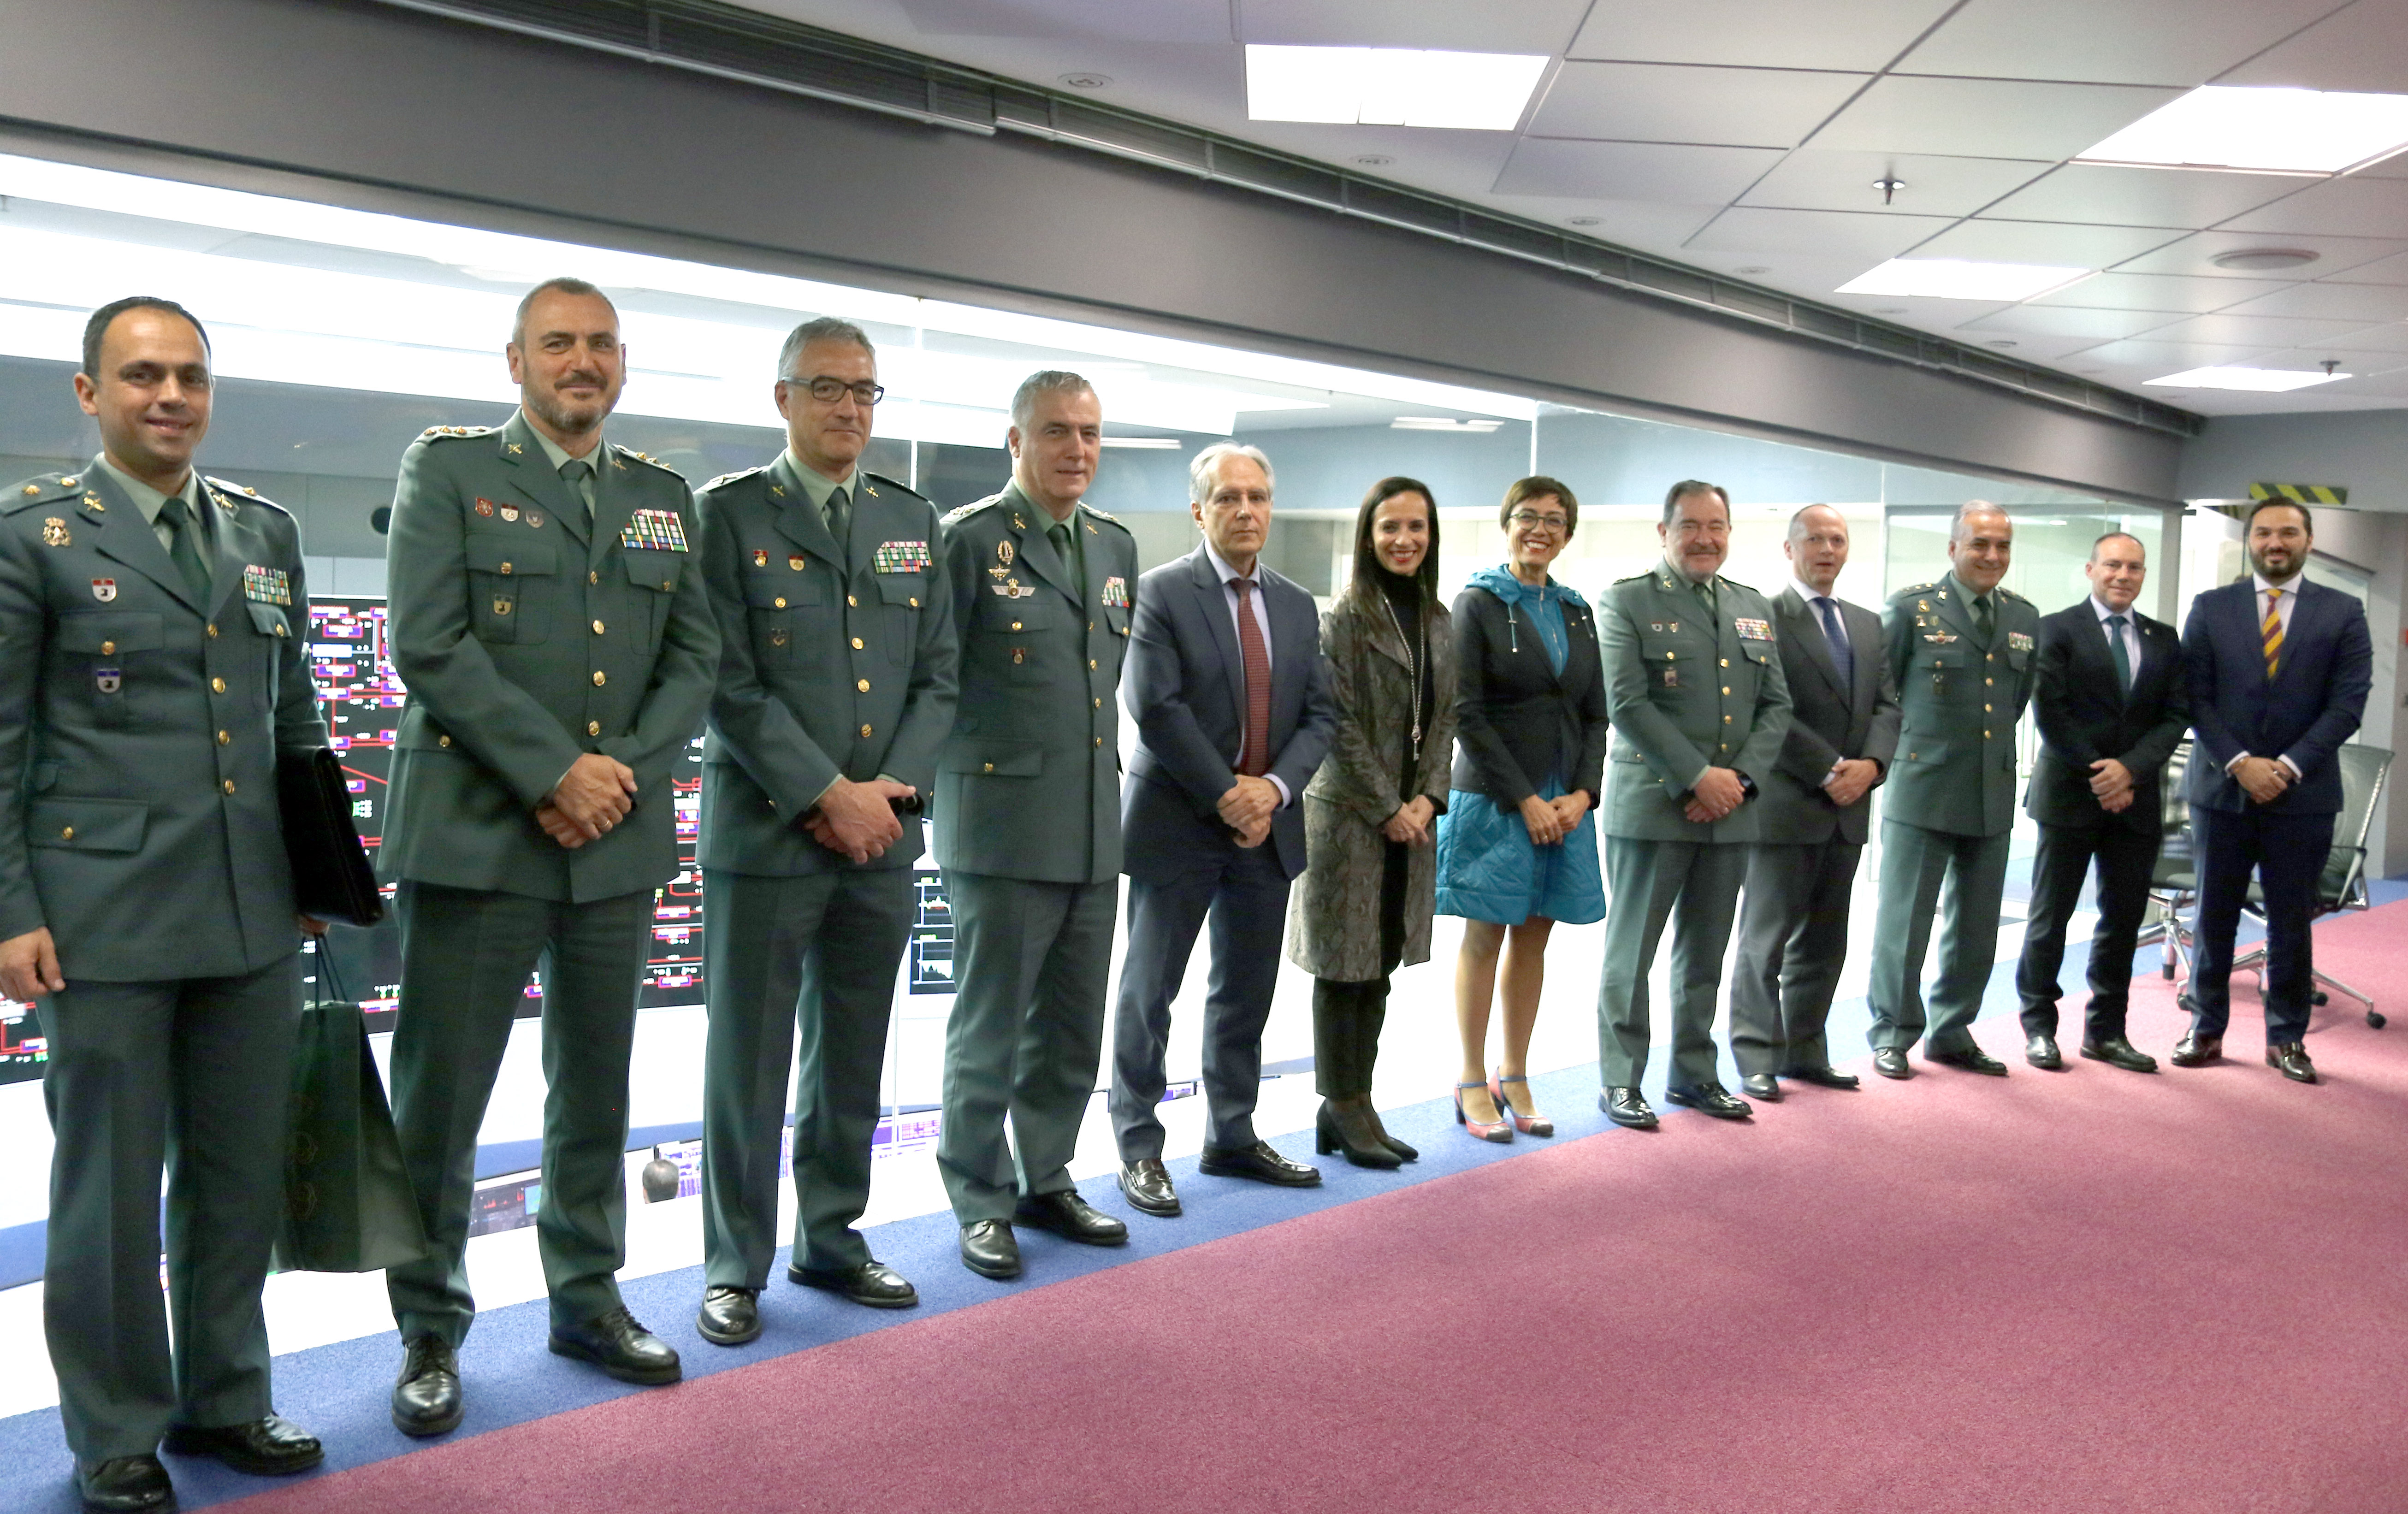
{"x":1797,"y":522}
{"x":818,"y":328}
{"x":1972,"y":507}
{"x":563,"y":284}
{"x":1044,"y":382}
{"x":1201,"y":472}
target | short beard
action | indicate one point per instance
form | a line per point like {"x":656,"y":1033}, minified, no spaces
{"x":2258,"y":566}
{"x":562,"y":419}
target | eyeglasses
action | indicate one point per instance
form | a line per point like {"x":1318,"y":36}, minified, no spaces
{"x":1532,"y":518}
{"x":829,"y":390}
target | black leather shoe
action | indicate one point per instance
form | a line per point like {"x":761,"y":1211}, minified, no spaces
{"x":1711,"y":1099}
{"x":871,"y":1282}
{"x":1071,"y":1217}
{"x":2118,"y":1053}
{"x":2196,"y":1051}
{"x":2290,"y":1058}
{"x":1972,"y":1059}
{"x":989,"y":1250}
{"x":427,"y":1396}
{"x":1625,"y":1108}
{"x":272,"y":1447}
{"x":1890,"y":1061}
{"x":1259,"y":1164}
{"x":729,"y":1316}
{"x":1761,"y":1086}
{"x":1146,"y":1184}
{"x":127,"y":1485}
{"x":1821,"y":1077}
{"x":622,"y":1347}
{"x":2042,"y":1052}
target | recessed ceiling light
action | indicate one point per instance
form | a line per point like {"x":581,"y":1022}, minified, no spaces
{"x":2266,"y":258}
{"x":1390,"y":86}
{"x":1087,"y":82}
{"x":1956,"y":278}
{"x":1149,"y":444}
{"x":1584,"y":221}
{"x":2265,"y":131}
{"x":2256,"y":380}
{"x":1440,"y":423}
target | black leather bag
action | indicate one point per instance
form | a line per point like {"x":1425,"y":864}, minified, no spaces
{"x":331,"y":876}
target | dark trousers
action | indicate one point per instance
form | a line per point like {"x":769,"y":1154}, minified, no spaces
{"x":465,"y":960}
{"x":1695,"y":886}
{"x":194,"y":1076}
{"x":1245,"y":891}
{"x":1965,"y":878}
{"x":817,"y":953}
{"x":2287,"y":853}
{"x":2126,"y":860}
{"x":1347,"y":1016}
{"x":1793,"y":938}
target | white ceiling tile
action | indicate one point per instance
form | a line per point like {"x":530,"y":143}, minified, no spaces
{"x":2227,"y":329}
{"x":1647,"y":226}
{"x":1524,"y":26}
{"x":2027,"y":347}
{"x":2363,"y":47}
{"x":1987,"y":118}
{"x":2159,"y":291}
{"x":1153,"y":20}
{"x":2162,"y":357}
{"x":2330,"y":302}
{"x":1924,"y":313}
{"x":1873,"y":239}
{"x":1765,"y":34}
{"x":2196,"y":253}
{"x":2392,"y":337}
{"x":1817,"y":178}
{"x":2050,"y":242}
{"x":2179,"y":42}
{"x":2142,"y":196}
{"x":2390,"y":270}
{"x":1676,"y":103}
{"x":2352,"y":206}
{"x":1674,"y":173}
{"x":2060,"y":320}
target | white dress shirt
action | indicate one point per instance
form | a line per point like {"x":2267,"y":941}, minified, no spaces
{"x":1229,"y":578}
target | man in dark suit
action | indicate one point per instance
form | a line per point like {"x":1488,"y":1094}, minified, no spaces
{"x":2279,"y":670}
{"x":2109,"y":696}
{"x":1813,"y":815}
{"x":835,"y":688}
{"x":1234,"y":714}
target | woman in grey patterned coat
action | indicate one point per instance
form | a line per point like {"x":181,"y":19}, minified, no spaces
{"x":1370,"y":815}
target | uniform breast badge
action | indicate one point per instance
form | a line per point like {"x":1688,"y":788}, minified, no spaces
{"x":901,"y":557}
{"x":1753,"y":630}
{"x":269,"y":586}
{"x":502,"y":606}
{"x":794,"y":561}
{"x":1116,"y":593}
{"x":1003,"y":553}
{"x":511,"y":513}
{"x":54,"y":532}
{"x":2018,"y":641}
{"x":760,"y":557}
{"x":1672,"y":678}
{"x":485,"y":507}
{"x":657,"y":530}
{"x":535,"y":518}
{"x":107,"y":680}
{"x":103,"y":590}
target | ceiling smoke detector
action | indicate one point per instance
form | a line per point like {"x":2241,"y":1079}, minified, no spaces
{"x":1086,"y":81}
{"x":2265,"y":259}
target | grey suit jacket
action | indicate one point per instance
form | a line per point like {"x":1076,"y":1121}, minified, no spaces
{"x":1187,"y":692}
{"x":830,"y":663}
{"x":1827,"y":720}
{"x":139,"y":729}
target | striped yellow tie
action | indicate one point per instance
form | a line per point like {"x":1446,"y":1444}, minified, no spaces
{"x":2272,"y":630}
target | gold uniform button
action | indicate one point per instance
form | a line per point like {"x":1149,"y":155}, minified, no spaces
{"x":1726,"y":661}
{"x":593,"y":727}
{"x":108,"y":649}
{"x":852,"y":603}
{"x":1986,"y":710}
{"x":597,"y":628}
{"x":1991,"y":657}
{"x":1100,"y":704}
{"x":443,"y":741}
{"x":1725,"y":689}
{"x":1100,"y":741}
{"x":1725,"y":719}
{"x":864,"y":730}
{"x":988,"y":767}
{"x":782,"y":602}
{"x":1986,"y":682}
{"x":600,"y":678}
{"x":228,"y":785}
{"x":217,"y":686}
{"x":592,"y":578}
{"x":224,"y":738}
{"x":856,"y":641}
{"x":279,"y":628}
{"x":915,"y":603}
{"x":213,"y":632}
{"x":67,"y":835}
{"x":1016,"y":625}
{"x":506,"y":568}
{"x":861,"y":685}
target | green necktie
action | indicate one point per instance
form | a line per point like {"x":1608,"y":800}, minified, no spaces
{"x":2122,"y":658}
{"x":579,"y":475}
{"x":183,"y":548}
{"x":1065,"y":543}
{"x":1705,"y":588}
{"x":1986,"y":618}
{"x":839,"y":518}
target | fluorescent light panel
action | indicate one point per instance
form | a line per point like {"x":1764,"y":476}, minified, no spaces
{"x":2251,"y":380}
{"x":2262,"y":130}
{"x":1480,"y":91}
{"x":1956,"y":278}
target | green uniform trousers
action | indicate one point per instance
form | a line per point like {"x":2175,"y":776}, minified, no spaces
{"x":465,"y":959}
{"x":195,"y":1075}
{"x":1915,"y":863}
{"x":1031,"y":962}
{"x":817,"y":953}
{"x":1694,"y":884}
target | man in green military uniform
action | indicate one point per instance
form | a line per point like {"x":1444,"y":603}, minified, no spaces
{"x":1028,"y":825}
{"x":152,"y":626}
{"x":560,"y":651}
{"x":1961,"y":652}
{"x":836,"y":687}
{"x":1700,"y":706}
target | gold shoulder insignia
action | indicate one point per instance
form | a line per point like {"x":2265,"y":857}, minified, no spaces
{"x":647,"y":458}
{"x":440,"y":433}
{"x":731,"y":477}
{"x":1913,"y":589}
{"x":973,"y":508}
{"x":223,"y":491}
{"x":47,"y":488}
{"x":1101,"y":515}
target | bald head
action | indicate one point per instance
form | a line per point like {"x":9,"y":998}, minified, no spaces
{"x":1817,"y":548}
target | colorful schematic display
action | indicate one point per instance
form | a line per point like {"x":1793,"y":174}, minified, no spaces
{"x":363,"y":698}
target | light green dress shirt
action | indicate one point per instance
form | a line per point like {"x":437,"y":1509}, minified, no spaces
{"x":151,"y":502}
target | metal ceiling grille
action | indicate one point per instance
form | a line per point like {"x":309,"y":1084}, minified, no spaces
{"x":728,"y":42}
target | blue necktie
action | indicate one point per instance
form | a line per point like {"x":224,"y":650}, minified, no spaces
{"x":1840,"y":653}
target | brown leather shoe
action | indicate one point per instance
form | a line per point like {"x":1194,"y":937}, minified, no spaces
{"x":2290,"y":1058}
{"x":2196,"y":1051}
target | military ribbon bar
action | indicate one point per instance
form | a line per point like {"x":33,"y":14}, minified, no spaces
{"x":901,"y":557}
{"x":654,"y":531}
{"x":269,"y":586}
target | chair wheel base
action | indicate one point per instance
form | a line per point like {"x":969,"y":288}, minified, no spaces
{"x":2375,"y":1019}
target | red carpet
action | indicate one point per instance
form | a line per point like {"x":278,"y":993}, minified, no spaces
{"x":2086,"y":1291}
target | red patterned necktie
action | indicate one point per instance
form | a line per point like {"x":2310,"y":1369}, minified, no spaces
{"x":1257,"y":759}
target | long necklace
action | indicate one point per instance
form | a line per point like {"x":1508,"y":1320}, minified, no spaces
{"x":1417,"y":658}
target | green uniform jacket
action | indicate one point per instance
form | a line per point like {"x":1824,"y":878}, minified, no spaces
{"x":139,"y":729}
{"x":1956,"y":767}
{"x":1028,"y":784}
{"x":1687,"y":693}
{"x":526,"y":643}
{"x":831,"y":664}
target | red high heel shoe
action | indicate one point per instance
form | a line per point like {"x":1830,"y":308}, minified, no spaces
{"x":1527,"y":1124}
{"x":1498,"y":1132}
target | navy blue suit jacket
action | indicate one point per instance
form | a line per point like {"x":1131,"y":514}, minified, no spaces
{"x":1185,"y":687}
{"x":2311,"y":705}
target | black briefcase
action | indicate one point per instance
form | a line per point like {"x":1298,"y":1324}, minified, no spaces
{"x":331,"y":876}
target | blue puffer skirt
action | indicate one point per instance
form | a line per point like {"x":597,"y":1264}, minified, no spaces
{"x":1488,"y":868}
